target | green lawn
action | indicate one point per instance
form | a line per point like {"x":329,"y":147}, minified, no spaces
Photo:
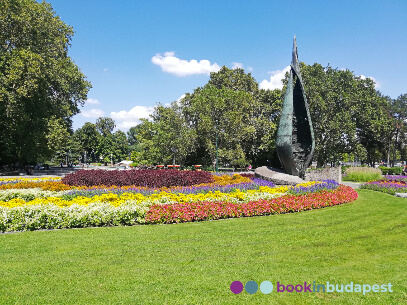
{"x":364,"y":242}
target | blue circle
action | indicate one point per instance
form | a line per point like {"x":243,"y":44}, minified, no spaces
{"x":266,"y":287}
{"x":251,"y":287}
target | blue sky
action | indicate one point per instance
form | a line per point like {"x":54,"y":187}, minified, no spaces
{"x":140,"y":53}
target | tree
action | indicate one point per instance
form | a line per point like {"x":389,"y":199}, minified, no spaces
{"x":120,"y":146}
{"x":58,"y":135}
{"x":395,"y":135}
{"x":39,"y":83}
{"x":132,"y":135}
{"x":220,"y":118}
{"x":234,"y":79}
{"x":173,"y":137}
{"x":105,"y":148}
{"x":88,"y":138}
{"x":375,"y":126}
{"x":346,"y":112}
{"x":148,"y":150}
{"x":105,"y":126}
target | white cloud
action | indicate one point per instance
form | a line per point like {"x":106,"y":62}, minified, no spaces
{"x":92,"y":101}
{"x":377,"y":84}
{"x":126,"y":119}
{"x":250,"y":69}
{"x":181,"y":67}
{"x":133,"y":115}
{"x":237,"y":65}
{"x":126,"y":125}
{"x":275,"y":81}
{"x":105,"y":70}
{"x":92,"y":113}
{"x":180,"y":98}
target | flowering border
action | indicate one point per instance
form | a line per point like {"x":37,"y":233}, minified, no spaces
{"x":175,"y":213}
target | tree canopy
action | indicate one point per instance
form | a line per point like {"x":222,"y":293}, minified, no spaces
{"x":41,"y":88}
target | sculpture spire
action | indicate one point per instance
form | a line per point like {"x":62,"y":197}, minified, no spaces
{"x":295,"y":136}
{"x":294,"y":61}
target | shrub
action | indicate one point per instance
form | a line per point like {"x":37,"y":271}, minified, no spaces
{"x":391,"y":170}
{"x":362,"y":174}
{"x":147,"y":178}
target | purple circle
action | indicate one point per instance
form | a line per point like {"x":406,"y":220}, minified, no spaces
{"x":236,"y":287}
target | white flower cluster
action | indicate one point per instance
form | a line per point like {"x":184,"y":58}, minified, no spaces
{"x":37,"y":217}
{"x":27,"y":194}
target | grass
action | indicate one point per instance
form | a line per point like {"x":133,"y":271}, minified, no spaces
{"x":362,"y":174}
{"x":194,"y":263}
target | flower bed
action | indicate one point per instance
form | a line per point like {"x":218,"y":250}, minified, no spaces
{"x":386,"y":186}
{"x":147,"y":178}
{"x":217,"y":210}
{"x":226,"y":196}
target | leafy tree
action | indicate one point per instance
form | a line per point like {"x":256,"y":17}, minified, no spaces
{"x":234,"y":79}
{"x":88,"y":138}
{"x":346,"y":112}
{"x":105,"y":148}
{"x":132,"y":135}
{"x":173,"y":137}
{"x":58,"y":135}
{"x":148,"y":150}
{"x":396,"y":128}
{"x":40,"y":86}
{"x":374,"y":126}
{"x":259,"y":144}
{"x":218,"y":116}
{"x":105,"y":126}
{"x":120,"y":146}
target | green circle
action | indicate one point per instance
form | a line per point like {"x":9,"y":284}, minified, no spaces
{"x":251,"y":287}
{"x":266,"y":287}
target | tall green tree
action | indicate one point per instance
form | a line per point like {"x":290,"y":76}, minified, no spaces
{"x":132,"y":135}
{"x":220,"y":118}
{"x":121,"y":147}
{"x":173,"y":136}
{"x":39,"y":83}
{"x":105,"y":126}
{"x":88,"y":139}
{"x":148,"y":138}
{"x":346,"y":112}
{"x":395,"y":136}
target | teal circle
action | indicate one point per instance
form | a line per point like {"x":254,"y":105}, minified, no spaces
{"x":266,"y":287}
{"x":251,"y":287}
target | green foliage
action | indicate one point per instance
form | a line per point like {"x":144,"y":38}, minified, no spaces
{"x":239,"y":163}
{"x":120,"y":146}
{"x":362,"y":174}
{"x":58,"y":135}
{"x":391,"y":170}
{"x":229,"y":112}
{"x":105,"y":126}
{"x":40,"y":86}
{"x":132,"y":135}
{"x":347,"y":113}
{"x":223,"y":114}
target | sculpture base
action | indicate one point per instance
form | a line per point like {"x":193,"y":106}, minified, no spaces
{"x":276,"y":176}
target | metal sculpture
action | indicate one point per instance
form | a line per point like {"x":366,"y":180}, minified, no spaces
{"x":295,"y":137}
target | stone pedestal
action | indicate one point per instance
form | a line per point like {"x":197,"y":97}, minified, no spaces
{"x":276,"y":176}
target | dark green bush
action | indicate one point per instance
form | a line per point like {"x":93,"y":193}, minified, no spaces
{"x":391,"y":170}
